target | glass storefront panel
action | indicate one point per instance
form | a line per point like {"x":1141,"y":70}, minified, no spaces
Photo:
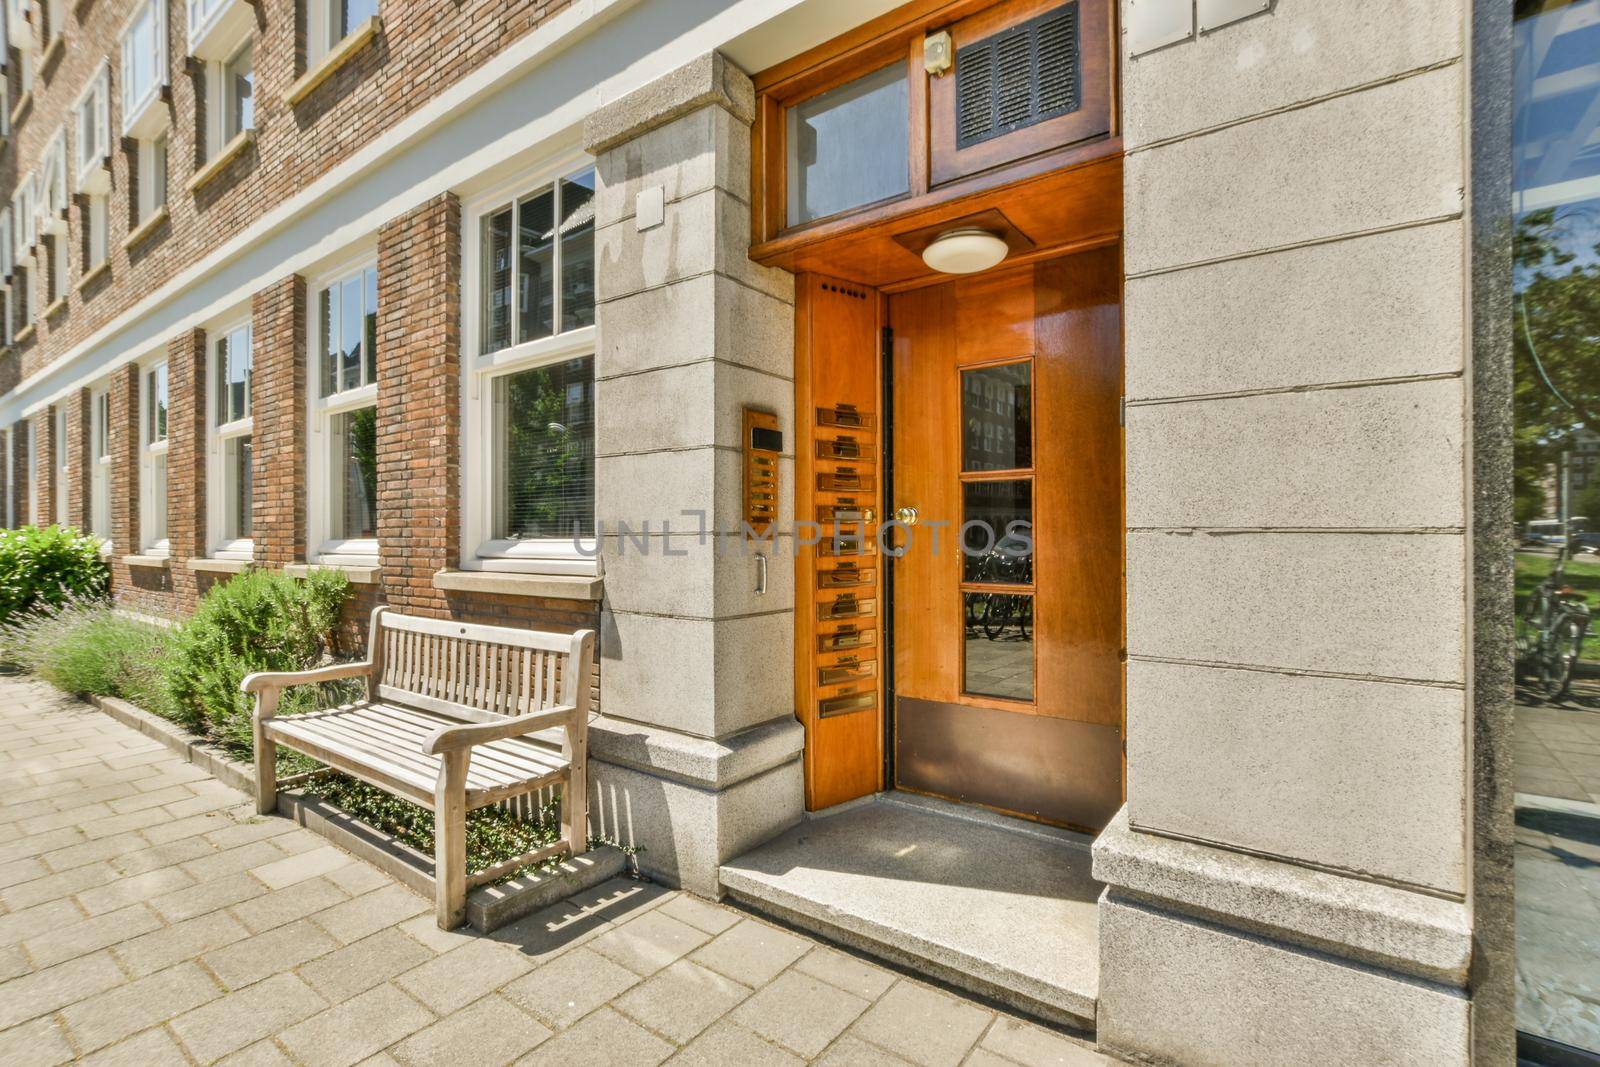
{"x":1556,"y":333}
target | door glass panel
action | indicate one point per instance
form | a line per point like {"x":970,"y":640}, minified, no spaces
{"x":999,"y":645}
{"x":849,"y":146}
{"x":997,"y":531}
{"x":997,"y":418}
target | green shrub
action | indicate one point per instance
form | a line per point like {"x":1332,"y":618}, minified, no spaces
{"x":46,"y":567}
{"x":84,"y":647}
{"x":258,"y":621}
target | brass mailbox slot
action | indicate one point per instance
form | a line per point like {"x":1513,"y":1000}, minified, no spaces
{"x":842,"y":673}
{"x":839,"y":448}
{"x":845,"y":574}
{"x":851,"y":638}
{"x":847,"y":607}
{"x":843,"y":705}
{"x":763,"y":444}
{"x":844,"y":480}
{"x":844,"y":415}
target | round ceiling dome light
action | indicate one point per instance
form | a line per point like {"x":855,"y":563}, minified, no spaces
{"x":965,"y":251}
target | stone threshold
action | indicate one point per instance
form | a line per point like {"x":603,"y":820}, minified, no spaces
{"x":1000,"y":907}
{"x":489,"y":907}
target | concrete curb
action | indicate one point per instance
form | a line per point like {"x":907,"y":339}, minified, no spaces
{"x":488,"y":907}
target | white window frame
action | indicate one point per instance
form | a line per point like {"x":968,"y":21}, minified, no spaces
{"x":61,"y":462}
{"x":152,"y":177}
{"x":54,"y":19}
{"x":5,"y":476}
{"x":354,"y":551}
{"x":91,"y":114}
{"x":143,"y":117}
{"x":8,"y":245}
{"x":50,"y":186}
{"x":150,"y":451}
{"x":215,"y":26}
{"x":479,"y":550}
{"x":26,"y":220}
{"x":219,"y":111}
{"x":5,"y":101}
{"x":217,"y":436}
{"x":97,"y":218}
{"x":33,"y":471}
{"x":322,"y":19}
{"x":100,"y":462}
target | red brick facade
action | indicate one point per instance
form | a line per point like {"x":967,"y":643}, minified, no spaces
{"x":278,"y":467}
{"x":186,"y":461}
{"x":420,"y":50}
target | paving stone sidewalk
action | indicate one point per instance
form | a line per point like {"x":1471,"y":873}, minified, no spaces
{"x":148,"y":916}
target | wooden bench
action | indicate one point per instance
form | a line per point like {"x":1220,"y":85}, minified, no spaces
{"x":446,"y":722}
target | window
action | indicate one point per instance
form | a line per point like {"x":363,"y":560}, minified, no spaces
{"x":24,"y":216}
{"x":333,"y":20}
{"x":231,"y":93}
{"x":8,"y":246}
{"x":56,"y":276}
{"x":848,"y":146}
{"x":92,"y":126}
{"x":96,"y":238}
{"x":100,"y":460}
{"x":230,"y":444}
{"x":60,"y":461}
{"x":153,"y":460}
{"x":344,"y":419}
{"x":151,"y":180}
{"x":530,"y":393}
{"x":52,"y":22}
{"x":144,"y":70}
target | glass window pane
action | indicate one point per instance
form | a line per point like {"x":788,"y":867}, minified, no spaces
{"x":239,"y":81}
{"x":236,"y":473}
{"x":545,"y":451}
{"x":351,"y":321}
{"x":156,"y":425}
{"x":328,"y":331}
{"x":535,"y":265}
{"x":997,"y":418}
{"x":997,"y":532}
{"x":354,"y":439}
{"x":234,"y":371}
{"x":577,"y":251}
{"x":353,"y":13}
{"x":158,"y":498}
{"x":849,"y":146}
{"x":369,"y":341}
{"x":496,"y":281}
{"x":999,"y":645}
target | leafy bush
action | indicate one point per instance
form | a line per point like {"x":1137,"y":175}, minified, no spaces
{"x":46,"y":567}
{"x":84,"y":647}
{"x":258,"y":621}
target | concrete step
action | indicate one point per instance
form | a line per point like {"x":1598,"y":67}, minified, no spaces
{"x":998,"y":906}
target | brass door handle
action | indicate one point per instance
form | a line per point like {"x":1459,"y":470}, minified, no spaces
{"x":906,"y":516}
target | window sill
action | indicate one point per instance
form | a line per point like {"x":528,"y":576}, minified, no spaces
{"x":218,"y":566}
{"x":24,"y":102}
{"x":105,"y":550}
{"x":55,"y":48}
{"x":146,"y":228}
{"x":230,"y":151}
{"x":55,"y":309}
{"x":506,"y":583}
{"x":353,"y":42}
{"x":23,"y":335}
{"x":359,"y":574}
{"x":152,"y":562}
{"x":94,"y":276}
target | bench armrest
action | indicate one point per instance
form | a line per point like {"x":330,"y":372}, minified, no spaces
{"x":450,"y":738}
{"x":264,"y":680}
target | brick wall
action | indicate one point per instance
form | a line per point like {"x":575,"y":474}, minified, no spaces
{"x":278,"y":468}
{"x":44,"y":466}
{"x":423,"y":48}
{"x":124,"y":442}
{"x":186,"y":460}
{"x":78,"y":449}
{"x":419,"y":359}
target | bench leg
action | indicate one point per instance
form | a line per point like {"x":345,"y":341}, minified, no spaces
{"x":450,"y":840}
{"x":575,"y":810}
{"x":266,"y":755}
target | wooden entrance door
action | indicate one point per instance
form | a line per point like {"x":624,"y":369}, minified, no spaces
{"x":1006,"y":430}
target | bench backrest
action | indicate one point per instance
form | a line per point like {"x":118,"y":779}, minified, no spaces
{"x":475,"y":672}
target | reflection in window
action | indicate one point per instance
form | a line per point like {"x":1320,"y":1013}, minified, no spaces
{"x":545,"y":438}
{"x":997,"y":532}
{"x":999,"y":645}
{"x":354,"y":436}
{"x":997,"y":418}
{"x":849,"y":146}
{"x":1556,"y":330}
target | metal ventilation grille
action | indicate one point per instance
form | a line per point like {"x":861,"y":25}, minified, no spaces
{"x":1019,"y":77}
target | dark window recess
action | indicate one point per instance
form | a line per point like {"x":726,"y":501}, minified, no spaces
{"x":1018,"y":77}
